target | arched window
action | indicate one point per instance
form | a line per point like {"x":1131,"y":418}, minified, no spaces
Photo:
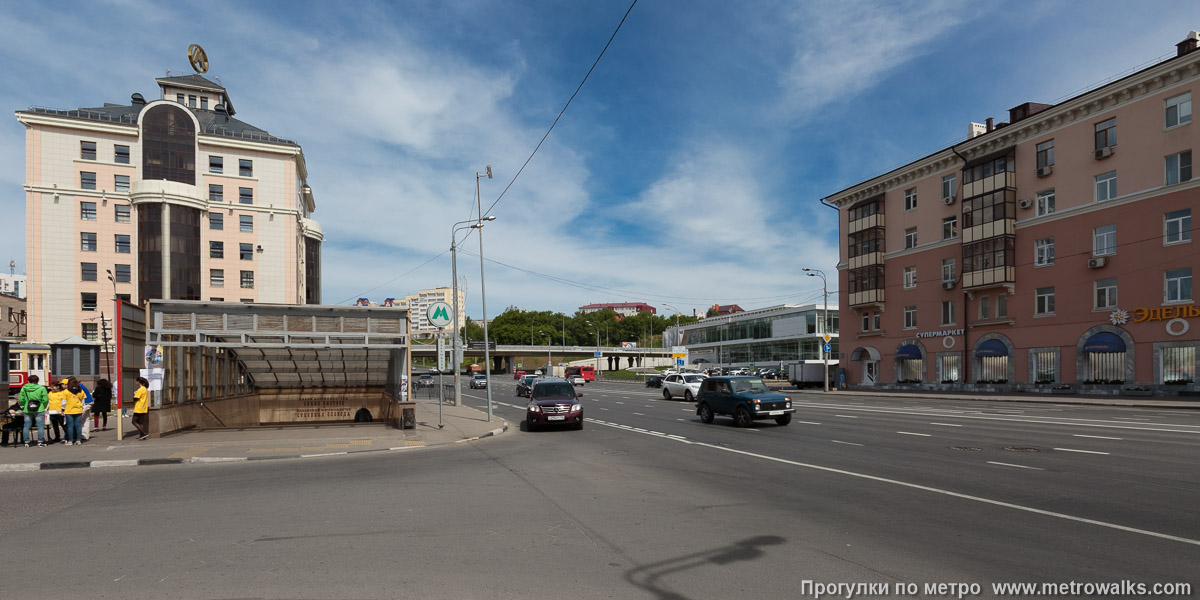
{"x":168,"y":145}
{"x":1105,"y":355}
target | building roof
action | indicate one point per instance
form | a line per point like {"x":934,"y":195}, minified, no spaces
{"x":637,"y":305}
{"x":211,"y":123}
{"x":727,"y":309}
{"x":200,"y":83}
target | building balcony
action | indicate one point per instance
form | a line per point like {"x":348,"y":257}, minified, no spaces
{"x":866,"y":297}
{"x":989,"y":184}
{"x":988,"y":230}
{"x":857,"y":225}
{"x":995,"y":276}
{"x":865,"y":260}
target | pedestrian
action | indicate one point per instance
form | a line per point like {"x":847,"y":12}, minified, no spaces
{"x":34,"y":401}
{"x":141,"y":408}
{"x":54,"y":418}
{"x":12,"y":421}
{"x":72,"y":408}
{"x":101,"y":405}
{"x":85,"y":428}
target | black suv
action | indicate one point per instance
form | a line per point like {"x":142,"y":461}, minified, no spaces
{"x":746,"y":399}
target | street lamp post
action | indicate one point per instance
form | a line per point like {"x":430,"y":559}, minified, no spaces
{"x":676,"y":309}
{"x":825,"y":325}
{"x":549,"y":361}
{"x":487,"y":352}
{"x":116,"y":387}
{"x":597,"y":330}
{"x":456,"y":341}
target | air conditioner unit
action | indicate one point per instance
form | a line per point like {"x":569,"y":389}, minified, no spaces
{"x":1045,"y":171}
{"x":948,"y":200}
{"x":948,"y":284}
{"x":1026,"y":203}
{"x":1097,"y":262}
{"x":1104,"y":152}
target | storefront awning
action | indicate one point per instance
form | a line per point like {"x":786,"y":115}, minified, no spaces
{"x":909,"y":352}
{"x":1104,"y":342}
{"x":991,"y":348}
{"x":871,"y":353}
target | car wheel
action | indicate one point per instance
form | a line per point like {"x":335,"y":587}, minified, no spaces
{"x":579,"y":425}
{"x":706,"y":413}
{"x":741,"y":417}
{"x":666,"y":394}
{"x":529,"y":426}
{"x":688,"y":396}
{"x":784,"y":420}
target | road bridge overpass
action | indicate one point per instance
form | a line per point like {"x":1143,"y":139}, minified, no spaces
{"x":612,"y":357}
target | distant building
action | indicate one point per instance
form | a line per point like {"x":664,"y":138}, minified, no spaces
{"x":726,"y":309}
{"x":13,"y":318}
{"x":12,"y":284}
{"x":418,"y":305}
{"x":624,"y":309}
{"x":764,"y":337}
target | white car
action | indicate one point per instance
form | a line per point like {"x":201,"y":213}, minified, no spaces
{"x":686,"y":385}
{"x":576,"y":379}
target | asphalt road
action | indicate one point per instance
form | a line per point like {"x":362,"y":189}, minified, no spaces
{"x":645,"y":502}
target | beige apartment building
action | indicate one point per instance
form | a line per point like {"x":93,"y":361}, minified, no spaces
{"x":1049,"y":253}
{"x":165,"y":198}
{"x":418,"y":305}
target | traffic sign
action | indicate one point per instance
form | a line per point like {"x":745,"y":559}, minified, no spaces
{"x":518,"y":365}
{"x":440,"y":314}
{"x":441,"y":352}
{"x":597,"y":354}
{"x":679,"y":362}
{"x":827,"y":338}
{"x":828,"y":348}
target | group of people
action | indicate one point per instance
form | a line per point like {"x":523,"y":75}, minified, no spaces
{"x":67,"y":410}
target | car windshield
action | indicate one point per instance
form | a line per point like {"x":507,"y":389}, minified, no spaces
{"x":752,"y":385}
{"x":427,"y":377}
{"x":480,"y":377}
{"x":693,"y":378}
{"x":553,"y":390}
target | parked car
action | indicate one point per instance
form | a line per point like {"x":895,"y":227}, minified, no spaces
{"x":479,"y":381}
{"x":577,"y":380}
{"x":553,"y":401}
{"x":655,"y":382}
{"x":525,"y":384}
{"x":746,"y":399}
{"x":686,"y":385}
{"x":518,"y":374}
{"x":425,"y":380}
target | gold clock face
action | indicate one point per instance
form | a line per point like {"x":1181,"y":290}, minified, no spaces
{"x":198,"y":58}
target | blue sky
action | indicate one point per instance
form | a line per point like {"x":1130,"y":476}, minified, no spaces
{"x":686,"y":172}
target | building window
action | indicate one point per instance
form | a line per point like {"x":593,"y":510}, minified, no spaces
{"x":1179,"y":285}
{"x":89,"y":331}
{"x":87,"y":211}
{"x":168,"y":146}
{"x":985,"y":307}
{"x":216,"y":221}
{"x":1001,"y":306}
{"x":216,"y":249}
{"x":1104,"y":240}
{"x":949,"y":186}
{"x":216,"y":164}
{"x":947,"y":312}
{"x":179,"y":98}
{"x":910,"y":317}
{"x":248,"y":279}
{"x":87,"y":301}
{"x":910,"y":238}
{"x":1045,"y":202}
{"x":246,"y":251}
{"x":949,"y":227}
{"x":245,"y":195}
{"x":1177,"y":227}
{"x":875,"y":321}
{"x":87,"y":242}
{"x":1044,"y":301}
{"x":1043,"y":252}
{"x":87,"y":150}
{"x":1106,"y":134}
{"x":216,"y":299}
{"x":866,"y":321}
{"x":1179,"y":110}
{"x":191,"y":101}
{"x":1106,"y":294}
{"x":121,"y":211}
{"x":910,"y":278}
{"x":1179,"y":167}
{"x":1179,"y":365}
{"x":125,"y":297}
{"x":1045,"y":367}
{"x":948,"y":274}
{"x":216,"y":193}
{"x":1045,"y":154}
{"x":216,"y":277}
{"x":121,"y":154}
{"x":910,"y":199}
{"x":203,"y":102}
{"x":88,"y":271}
{"x":121,"y":183}
{"x":1106,"y":186}
{"x":950,"y":368}
{"x":122,"y":244}
{"x":87,"y":180}
{"x":122,"y":274}
{"x":245,"y":167}
{"x":246,"y":223}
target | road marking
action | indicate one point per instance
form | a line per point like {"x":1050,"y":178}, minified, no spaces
{"x":946,"y":424}
{"x":992,"y":462}
{"x":679,"y":419}
{"x":1098,"y":437}
{"x":911,"y":433}
{"x":602,"y":408}
{"x":639,"y":414}
{"x":617,"y":402}
{"x":807,"y":422}
{"x":658,"y":433}
{"x":686,"y":409}
{"x":1083,"y":451}
{"x":847,"y":443}
{"x":846,"y":416}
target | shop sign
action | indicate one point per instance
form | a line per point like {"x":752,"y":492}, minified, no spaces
{"x":942,"y":333}
{"x":1175,"y":316}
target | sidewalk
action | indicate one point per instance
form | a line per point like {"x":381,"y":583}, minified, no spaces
{"x":461,"y":424}
{"x":1140,"y":401}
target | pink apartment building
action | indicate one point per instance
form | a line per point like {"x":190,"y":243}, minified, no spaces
{"x":169,"y":198}
{"x":1053,"y":252}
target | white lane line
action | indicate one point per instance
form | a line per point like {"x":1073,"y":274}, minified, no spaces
{"x":602,"y":408}
{"x":1083,"y":451}
{"x":657,"y":433}
{"x":807,"y":422}
{"x":911,"y":433}
{"x":679,"y":419}
{"x":846,"y":416}
{"x":946,"y":424}
{"x":992,"y":462}
{"x":678,"y":437}
{"x":617,"y":402}
{"x":639,"y":429}
{"x":846,"y":443}
{"x":638,"y":414}
{"x":686,"y":409}
{"x":1098,"y":437}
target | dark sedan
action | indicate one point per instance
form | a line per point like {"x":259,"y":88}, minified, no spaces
{"x":525,"y":383}
{"x":655,"y":381}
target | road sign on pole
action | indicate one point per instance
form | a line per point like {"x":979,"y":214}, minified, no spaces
{"x":441,"y":353}
{"x":827,"y":338}
{"x":828,"y":348}
{"x":440,"y":314}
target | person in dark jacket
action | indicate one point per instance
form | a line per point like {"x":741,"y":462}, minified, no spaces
{"x":13,"y":421}
{"x":101,"y":404}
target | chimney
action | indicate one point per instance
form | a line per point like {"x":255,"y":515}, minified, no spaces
{"x":1188,"y":44}
{"x":990,"y":125}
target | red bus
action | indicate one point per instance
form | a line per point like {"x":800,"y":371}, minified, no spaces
{"x":588,"y":373}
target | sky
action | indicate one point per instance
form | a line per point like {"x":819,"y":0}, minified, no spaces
{"x":686,"y":172}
